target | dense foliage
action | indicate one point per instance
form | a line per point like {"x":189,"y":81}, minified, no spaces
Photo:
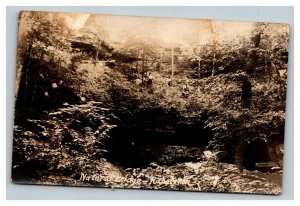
{"x":100,"y":101}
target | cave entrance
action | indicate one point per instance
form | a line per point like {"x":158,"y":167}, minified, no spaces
{"x":156,"y":135}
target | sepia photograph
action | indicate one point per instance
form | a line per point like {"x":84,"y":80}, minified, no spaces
{"x":150,"y":103}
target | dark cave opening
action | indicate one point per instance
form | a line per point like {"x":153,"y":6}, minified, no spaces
{"x":156,"y":135}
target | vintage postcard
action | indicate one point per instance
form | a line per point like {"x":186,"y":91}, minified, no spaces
{"x":150,"y":103}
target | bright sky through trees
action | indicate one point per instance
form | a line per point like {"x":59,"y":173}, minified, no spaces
{"x":166,"y":31}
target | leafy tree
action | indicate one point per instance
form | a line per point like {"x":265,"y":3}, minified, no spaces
{"x":46,"y":61}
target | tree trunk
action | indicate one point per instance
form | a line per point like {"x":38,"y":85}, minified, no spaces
{"x":172,"y":63}
{"x":172,"y":74}
{"x":245,"y":106}
{"x":137,"y":60}
{"x":22,"y":100}
{"x":143,"y":67}
{"x":246,"y":94}
{"x":241,"y":134}
{"x":36,"y":81}
{"x":213,"y":69}
{"x":239,"y":151}
{"x":24,"y":76}
{"x":199,"y":69}
{"x":96,"y":57}
{"x":161,"y":56}
{"x":266,"y":66}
